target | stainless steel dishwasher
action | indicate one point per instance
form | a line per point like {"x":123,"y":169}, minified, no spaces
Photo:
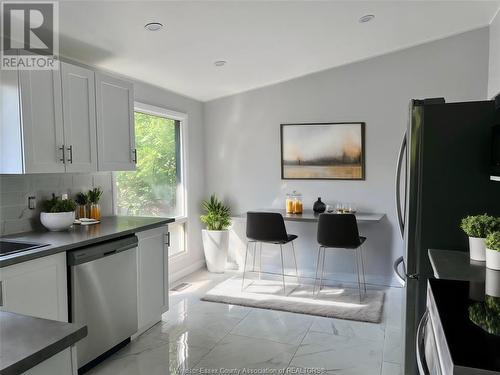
{"x":103,"y":296}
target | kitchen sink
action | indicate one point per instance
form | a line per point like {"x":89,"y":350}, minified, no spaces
{"x":11,"y":246}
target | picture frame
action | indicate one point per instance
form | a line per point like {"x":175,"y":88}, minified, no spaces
{"x":323,"y":151}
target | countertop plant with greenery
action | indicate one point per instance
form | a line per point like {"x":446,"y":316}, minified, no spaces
{"x":480,"y":225}
{"x":493,"y":241}
{"x":82,"y":199}
{"x":94,"y":195}
{"x":56,"y":204}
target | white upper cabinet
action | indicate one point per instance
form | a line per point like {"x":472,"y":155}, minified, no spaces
{"x":115,"y":124}
{"x":42,"y":122}
{"x":67,"y":120}
{"x":78,"y":98}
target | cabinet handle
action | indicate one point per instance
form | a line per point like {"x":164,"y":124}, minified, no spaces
{"x":167,"y":235}
{"x":63,"y":159}
{"x":1,"y":293}
{"x":134,"y":155}
{"x":70,"y":158}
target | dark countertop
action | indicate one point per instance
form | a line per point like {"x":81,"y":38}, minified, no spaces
{"x":308,"y":216}
{"x":473,"y":346}
{"x":79,"y":236}
{"x":456,"y":265}
{"x":26,"y":341}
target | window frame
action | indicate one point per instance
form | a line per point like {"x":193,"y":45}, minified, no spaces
{"x":183,"y":126}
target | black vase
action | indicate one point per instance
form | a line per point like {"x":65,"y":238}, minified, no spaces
{"x":319,"y":206}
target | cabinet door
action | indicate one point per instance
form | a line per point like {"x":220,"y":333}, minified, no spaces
{"x":11,"y":150}
{"x":78,"y":98}
{"x":115,"y":124}
{"x":151,"y":276}
{"x":36,"y":288}
{"x":41,"y":108}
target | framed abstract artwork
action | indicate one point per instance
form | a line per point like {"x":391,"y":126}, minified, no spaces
{"x":323,"y":151}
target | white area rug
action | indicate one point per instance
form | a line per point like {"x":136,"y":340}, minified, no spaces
{"x":333,"y":302}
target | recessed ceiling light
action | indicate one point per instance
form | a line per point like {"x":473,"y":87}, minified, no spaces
{"x":153,"y":26}
{"x":220,"y":63}
{"x":366,"y":18}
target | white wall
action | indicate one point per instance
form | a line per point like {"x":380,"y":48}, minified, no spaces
{"x":494,"y":71}
{"x":242,"y":139}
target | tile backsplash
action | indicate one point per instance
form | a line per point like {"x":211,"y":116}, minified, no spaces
{"x":15,"y":217}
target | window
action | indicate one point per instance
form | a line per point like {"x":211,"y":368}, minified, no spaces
{"x":157,"y":187}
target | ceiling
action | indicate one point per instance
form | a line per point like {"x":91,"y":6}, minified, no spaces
{"x":263,"y":42}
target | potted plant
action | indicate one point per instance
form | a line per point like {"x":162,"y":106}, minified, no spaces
{"x":94,"y":196}
{"x":216,"y":235}
{"x":477,"y":228}
{"x":82,"y":201}
{"x":58,"y":214}
{"x":493,"y":251}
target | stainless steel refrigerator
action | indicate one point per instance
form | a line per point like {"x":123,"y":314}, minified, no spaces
{"x":443,"y":175}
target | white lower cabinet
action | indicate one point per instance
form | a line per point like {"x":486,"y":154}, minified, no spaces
{"x":62,"y":363}
{"x":36,"y":288}
{"x":152,"y":273}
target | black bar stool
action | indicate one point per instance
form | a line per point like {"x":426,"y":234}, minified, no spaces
{"x":340,"y":231}
{"x":268,"y":227}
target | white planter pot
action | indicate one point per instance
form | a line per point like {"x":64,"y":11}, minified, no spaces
{"x":57,"y":221}
{"x":477,"y":249}
{"x":215,"y":246}
{"x":493,"y":259}
{"x":492,"y":282}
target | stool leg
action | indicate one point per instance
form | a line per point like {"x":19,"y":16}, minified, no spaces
{"x":260,"y":261}
{"x":356,"y":258}
{"x":295,"y":260}
{"x":322,"y":270}
{"x":283,"y":269}
{"x":244,"y":267}
{"x":254,"y":256}
{"x":363,"y":266}
{"x":317,"y":270}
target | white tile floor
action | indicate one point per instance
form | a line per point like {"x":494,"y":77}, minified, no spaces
{"x":197,"y":337}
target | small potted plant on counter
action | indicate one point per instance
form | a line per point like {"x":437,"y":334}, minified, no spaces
{"x":216,"y":235}
{"x":477,"y":228}
{"x":58,"y":214}
{"x":94,"y":196}
{"x":493,"y":251}
{"x":82,"y":201}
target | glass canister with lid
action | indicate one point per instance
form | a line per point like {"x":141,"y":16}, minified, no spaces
{"x":294,"y":203}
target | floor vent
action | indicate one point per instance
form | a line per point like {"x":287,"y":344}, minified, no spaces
{"x":180,"y":287}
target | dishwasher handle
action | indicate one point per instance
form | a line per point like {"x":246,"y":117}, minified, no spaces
{"x":101,"y":250}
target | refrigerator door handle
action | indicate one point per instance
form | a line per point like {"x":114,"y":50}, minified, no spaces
{"x":399,"y":211}
{"x":423,"y":369}
{"x":401,"y":277}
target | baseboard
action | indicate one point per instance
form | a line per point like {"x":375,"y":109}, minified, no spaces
{"x":173,"y":277}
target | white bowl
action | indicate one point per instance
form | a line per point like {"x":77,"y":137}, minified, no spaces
{"x":57,"y":221}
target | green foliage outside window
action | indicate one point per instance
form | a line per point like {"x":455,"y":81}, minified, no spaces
{"x":151,"y":189}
